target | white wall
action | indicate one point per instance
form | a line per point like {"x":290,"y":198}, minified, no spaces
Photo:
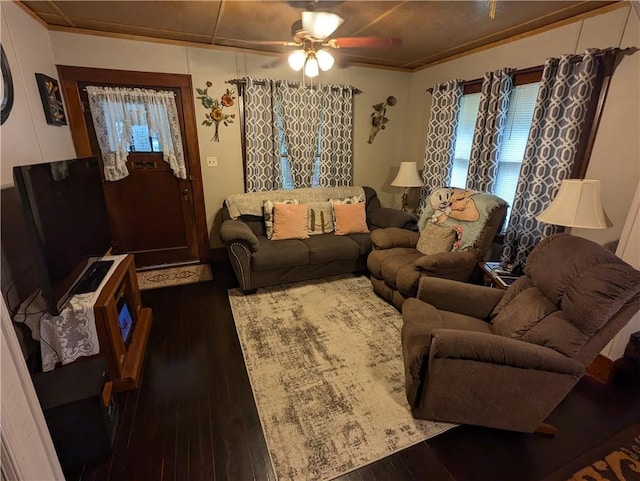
{"x":372,"y":162}
{"x":615,"y":159}
{"x":25,"y":136}
{"x":616,"y":155}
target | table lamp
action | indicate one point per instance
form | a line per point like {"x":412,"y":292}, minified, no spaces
{"x":577,"y":204}
{"x":407,"y":177}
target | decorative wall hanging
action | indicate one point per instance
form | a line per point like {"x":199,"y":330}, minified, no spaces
{"x":51,"y":100}
{"x":7,"y":87}
{"x":216,"y":114}
{"x":378,"y":117}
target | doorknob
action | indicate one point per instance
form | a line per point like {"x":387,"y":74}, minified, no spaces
{"x":185,"y":194}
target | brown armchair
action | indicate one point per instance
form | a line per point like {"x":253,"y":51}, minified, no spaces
{"x":505,"y":359}
{"x":396,"y":265}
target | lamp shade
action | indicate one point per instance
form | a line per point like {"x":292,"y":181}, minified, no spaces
{"x":325,"y":60}
{"x":407,"y":176}
{"x":311,"y":66}
{"x":296,"y":59}
{"x":577,"y":204}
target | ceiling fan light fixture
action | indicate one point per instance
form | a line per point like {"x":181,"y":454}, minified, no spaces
{"x":311,"y":66}
{"x":297,"y":60}
{"x":325,"y":60}
{"x":320,"y":24}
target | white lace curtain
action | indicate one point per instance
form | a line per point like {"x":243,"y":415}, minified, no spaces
{"x":116,"y":111}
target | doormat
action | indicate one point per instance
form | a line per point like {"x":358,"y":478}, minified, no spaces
{"x":325,"y":363}
{"x":174,"y":276}
{"x":617,"y":459}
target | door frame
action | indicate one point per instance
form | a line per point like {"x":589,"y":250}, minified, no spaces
{"x":70,"y":78}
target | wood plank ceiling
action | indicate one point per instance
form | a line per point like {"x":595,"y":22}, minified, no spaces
{"x":431,"y":31}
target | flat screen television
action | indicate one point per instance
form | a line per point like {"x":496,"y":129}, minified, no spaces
{"x":66,"y":218}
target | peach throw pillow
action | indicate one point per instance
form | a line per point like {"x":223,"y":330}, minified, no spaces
{"x":289,"y":222}
{"x":350,"y":218}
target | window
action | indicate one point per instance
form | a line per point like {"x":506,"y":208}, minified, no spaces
{"x":514,"y":140}
{"x":141,"y":139}
{"x":285,"y":166}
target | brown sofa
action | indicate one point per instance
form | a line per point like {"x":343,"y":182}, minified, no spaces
{"x":260,"y":262}
{"x":505,"y":359}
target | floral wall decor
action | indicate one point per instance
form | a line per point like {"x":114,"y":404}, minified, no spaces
{"x":216,"y":108}
{"x":378,"y":117}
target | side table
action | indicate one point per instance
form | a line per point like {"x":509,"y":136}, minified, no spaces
{"x":495,"y":276}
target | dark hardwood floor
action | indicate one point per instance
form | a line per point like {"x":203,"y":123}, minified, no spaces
{"x":194,"y":417}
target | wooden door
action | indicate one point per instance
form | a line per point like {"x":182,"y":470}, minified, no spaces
{"x":153,"y":214}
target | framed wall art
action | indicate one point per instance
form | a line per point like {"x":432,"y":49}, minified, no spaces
{"x":51,"y":100}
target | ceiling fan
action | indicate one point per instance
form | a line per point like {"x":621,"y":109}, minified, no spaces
{"x":311,"y":37}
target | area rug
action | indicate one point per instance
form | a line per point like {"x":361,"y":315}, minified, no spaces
{"x":174,"y":276}
{"x":325,"y":364}
{"x":617,"y":459}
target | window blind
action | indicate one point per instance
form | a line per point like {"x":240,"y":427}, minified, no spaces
{"x":514,"y":141}
{"x":469,"y":106}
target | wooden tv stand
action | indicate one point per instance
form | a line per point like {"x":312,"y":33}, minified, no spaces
{"x":125,"y":362}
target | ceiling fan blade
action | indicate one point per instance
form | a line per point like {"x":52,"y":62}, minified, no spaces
{"x":279,"y":43}
{"x":364,"y":42}
{"x":320,"y":24}
{"x":276,"y":62}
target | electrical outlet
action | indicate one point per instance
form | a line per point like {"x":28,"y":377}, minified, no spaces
{"x":212,"y":161}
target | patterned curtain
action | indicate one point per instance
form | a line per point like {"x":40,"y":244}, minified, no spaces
{"x":263,"y":170}
{"x":439,"y":150}
{"x":300,"y":109}
{"x":301,"y":124}
{"x":487,"y":136}
{"x":336,"y":154}
{"x":118,"y":113}
{"x":557,"y":133}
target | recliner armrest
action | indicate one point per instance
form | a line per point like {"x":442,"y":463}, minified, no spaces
{"x":455,"y":296}
{"x":446,"y":262}
{"x":495,"y":349}
{"x":234,"y":230}
{"x":387,"y":217}
{"x":393,"y":237}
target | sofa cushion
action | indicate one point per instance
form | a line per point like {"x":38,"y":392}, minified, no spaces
{"x":328,"y":247}
{"x":521,"y":313}
{"x":378,"y":258}
{"x":319,"y":218}
{"x":350,"y":218}
{"x":435,"y":239}
{"x":283,"y":253}
{"x":268,"y":214}
{"x":557,"y":333}
{"x":289,"y":222}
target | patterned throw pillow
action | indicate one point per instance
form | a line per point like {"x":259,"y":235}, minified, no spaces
{"x":435,"y":239}
{"x":319,"y":218}
{"x":268,"y":213}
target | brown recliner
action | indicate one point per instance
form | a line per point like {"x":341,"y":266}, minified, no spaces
{"x":396,"y":266}
{"x":505,"y":359}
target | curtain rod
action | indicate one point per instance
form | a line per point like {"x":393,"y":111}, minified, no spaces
{"x":239,"y":81}
{"x":132,"y":88}
{"x":618,"y":52}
